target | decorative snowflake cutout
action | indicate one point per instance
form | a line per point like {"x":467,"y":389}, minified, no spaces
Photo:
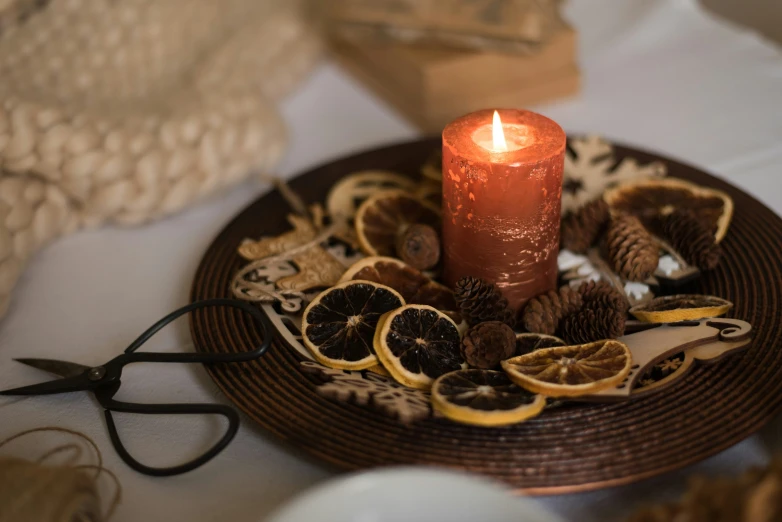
{"x":369,"y":389}
{"x":577,"y":269}
{"x":668,"y":265}
{"x":646,"y":382}
{"x":669,"y":365}
{"x":591,"y":168}
{"x":638,"y":292}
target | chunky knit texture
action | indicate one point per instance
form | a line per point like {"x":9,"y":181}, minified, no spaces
{"x":163,"y":104}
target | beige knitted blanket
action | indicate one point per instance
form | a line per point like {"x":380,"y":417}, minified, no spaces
{"x":125,"y":111}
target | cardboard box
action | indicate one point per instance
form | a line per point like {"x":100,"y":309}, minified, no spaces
{"x":501,"y":25}
{"x":432,"y":86}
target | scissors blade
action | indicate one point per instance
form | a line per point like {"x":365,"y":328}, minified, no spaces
{"x":68,"y":384}
{"x":61,"y":368}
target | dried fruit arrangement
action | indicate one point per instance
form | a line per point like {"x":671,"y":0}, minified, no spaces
{"x":358,"y":282}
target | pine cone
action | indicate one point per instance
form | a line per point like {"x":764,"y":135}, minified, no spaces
{"x":480,"y":301}
{"x":581,"y":228}
{"x":486,"y":344}
{"x":591,"y":325}
{"x":544,"y":312}
{"x":600,"y":294}
{"x":694,"y":241}
{"x":419,"y":246}
{"x":631,"y":249}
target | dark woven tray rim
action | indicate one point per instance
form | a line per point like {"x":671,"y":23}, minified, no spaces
{"x":753,"y":417}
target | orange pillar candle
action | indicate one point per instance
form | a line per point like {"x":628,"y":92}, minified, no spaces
{"x":502,"y":189}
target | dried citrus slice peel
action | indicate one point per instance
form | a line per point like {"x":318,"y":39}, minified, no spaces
{"x":484,"y":398}
{"x":338,"y":326}
{"x":571,"y":371}
{"x":529,"y":342}
{"x":378,"y":369}
{"x":648,"y":199}
{"x":348,"y":193}
{"x":383,"y":217}
{"x":675,"y":308}
{"x":414,"y":286}
{"x":417,"y":344}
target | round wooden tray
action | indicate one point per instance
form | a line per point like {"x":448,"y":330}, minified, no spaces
{"x":571,"y":449}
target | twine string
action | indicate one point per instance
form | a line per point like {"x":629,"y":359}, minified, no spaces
{"x":30,"y":491}
{"x":289,"y":195}
{"x":70,"y":461}
{"x":117,"y":498}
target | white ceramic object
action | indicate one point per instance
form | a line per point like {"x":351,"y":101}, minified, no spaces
{"x":411,"y":495}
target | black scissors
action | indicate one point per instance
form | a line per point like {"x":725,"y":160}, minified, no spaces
{"x":104,"y":382}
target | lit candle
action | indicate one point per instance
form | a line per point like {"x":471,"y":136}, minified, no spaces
{"x":502,"y":188}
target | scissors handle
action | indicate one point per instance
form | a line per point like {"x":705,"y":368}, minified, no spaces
{"x":170,"y":409}
{"x":130,"y":355}
{"x":106,"y":392}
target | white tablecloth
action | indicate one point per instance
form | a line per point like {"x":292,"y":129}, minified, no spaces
{"x":662,"y":75}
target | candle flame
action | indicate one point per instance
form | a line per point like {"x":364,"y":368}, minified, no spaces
{"x":497,"y":134}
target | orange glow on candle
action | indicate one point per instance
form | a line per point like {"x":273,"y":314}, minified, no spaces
{"x":502,"y":182}
{"x":498,"y":134}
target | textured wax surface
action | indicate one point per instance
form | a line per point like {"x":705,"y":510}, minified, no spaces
{"x":501,"y":211}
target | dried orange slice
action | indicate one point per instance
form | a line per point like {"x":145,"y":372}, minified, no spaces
{"x":348,"y":193}
{"x":571,"y":371}
{"x":530,"y":342}
{"x":378,"y":369}
{"x":417,"y":344}
{"x":338,"y":326}
{"x":383,"y":217}
{"x":675,"y":308}
{"x":648,"y":199}
{"x":414,"y":286}
{"x":484,"y":398}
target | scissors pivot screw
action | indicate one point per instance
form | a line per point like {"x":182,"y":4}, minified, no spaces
{"x":96,"y":374}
